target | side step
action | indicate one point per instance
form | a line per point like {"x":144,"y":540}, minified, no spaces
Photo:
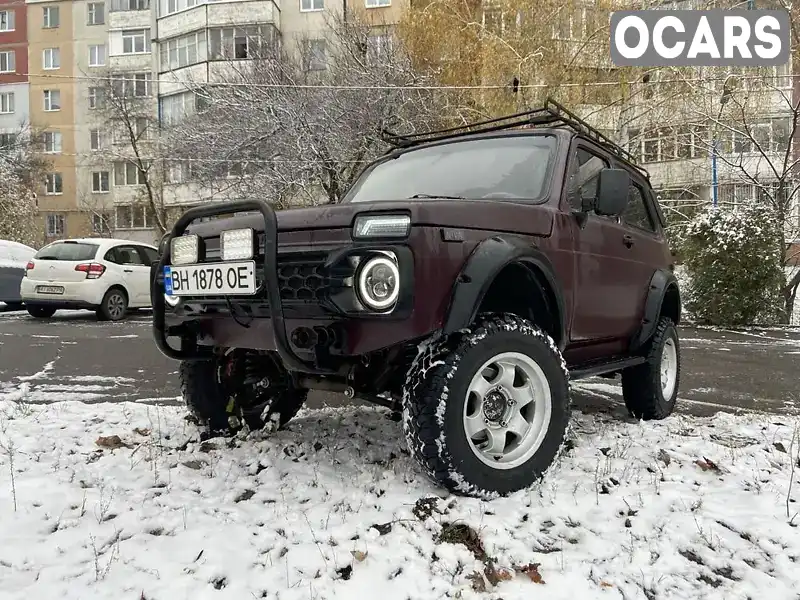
{"x":601,"y":368}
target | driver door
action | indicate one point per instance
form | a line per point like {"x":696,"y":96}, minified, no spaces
{"x":606,"y":294}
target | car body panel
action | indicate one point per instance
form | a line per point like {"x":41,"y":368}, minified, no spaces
{"x":13,"y":258}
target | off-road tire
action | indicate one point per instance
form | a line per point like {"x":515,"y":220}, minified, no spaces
{"x":219,"y":413}
{"x":641,"y":385}
{"x":41,"y":312}
{"x":106,"y":311}
{"x":436,"y":390}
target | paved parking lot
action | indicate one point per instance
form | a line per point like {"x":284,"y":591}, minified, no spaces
{"x":73,"y":356}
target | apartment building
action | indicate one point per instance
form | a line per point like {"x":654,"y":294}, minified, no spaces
{"x":195,"y":40}
{"x":13,"y":69}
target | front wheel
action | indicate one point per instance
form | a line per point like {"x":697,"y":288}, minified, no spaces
{"x":114,"y":306}
{"x":486,"y":411}
{"x":650,"y":390}
{"x":240,"y":387}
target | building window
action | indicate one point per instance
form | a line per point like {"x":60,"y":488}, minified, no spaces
{"x":137,"y":216}
{"x":96,"y":139}
{"x":97,"y":55}
{"x":128,"y":173}
{"x":53,"y":184}
{"x":135,"y":41}
{"x":378,"y":46}
{"x":50,"y":17}
{"x":7,"y":20}
{"x":6,"y":103}
{"x":172,"y":6}
{"x":51,"y":58}
{"x":308,"y":5}
{"x":7,"y":61}
{"x":95,"y":13}
{"x":100,"y":182}
{"x":377,"y":3}
{"x":52,"y":142}
{"x":52,"y":100}
{"x":316,"y":57}
{"x":183,"y":51}
{"x":124,"y":5}
{"x":131,"y":84}
{"x":8,"y":140}
{"x":101,"y":223}
{"x":97,"y":97}
{"x":55,"y":224}
{"x":240,"y":42}
{"x":177,"y":106}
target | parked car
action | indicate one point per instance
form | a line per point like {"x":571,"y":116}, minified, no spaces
{"x":13,"y":258}
{"x":108,"y":276}
{"x":464,"y":278}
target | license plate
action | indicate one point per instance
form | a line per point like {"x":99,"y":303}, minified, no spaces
{"x":213,"y":279}
{"x":49,"y":289}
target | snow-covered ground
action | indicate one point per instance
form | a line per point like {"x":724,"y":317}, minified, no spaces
{"x":334,"y":507}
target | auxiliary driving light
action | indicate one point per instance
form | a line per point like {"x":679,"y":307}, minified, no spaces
{"x":237,"y":244}
{"x":184,"y":250}
{"x":381,"y":226}
{"x":379,"y":283}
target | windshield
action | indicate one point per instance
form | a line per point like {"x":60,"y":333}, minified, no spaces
{"x":67,"y":251}
{"x":510,"y":167}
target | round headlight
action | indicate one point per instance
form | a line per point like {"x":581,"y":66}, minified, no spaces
{"x":379,"y":283}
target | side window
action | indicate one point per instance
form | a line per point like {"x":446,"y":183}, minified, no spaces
{"x":148,"y":255}
{"x":636,"y":213}
{"x":111,"y":256}
{"x":127,"y":255}
{"x":586,"y":168}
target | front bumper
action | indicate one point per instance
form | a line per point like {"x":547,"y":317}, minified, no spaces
{"x":272,"y":318}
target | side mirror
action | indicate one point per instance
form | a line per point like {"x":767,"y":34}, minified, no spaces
{"x":612,"y":192}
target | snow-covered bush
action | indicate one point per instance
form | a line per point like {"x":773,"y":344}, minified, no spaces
{"x":733,"y":264}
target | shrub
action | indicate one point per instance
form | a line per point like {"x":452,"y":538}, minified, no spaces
{"x":734,"y":266}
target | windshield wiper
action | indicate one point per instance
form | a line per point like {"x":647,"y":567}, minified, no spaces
{"x":437,"y":196}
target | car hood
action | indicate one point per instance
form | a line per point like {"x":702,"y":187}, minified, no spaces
{"x":501,"y":216}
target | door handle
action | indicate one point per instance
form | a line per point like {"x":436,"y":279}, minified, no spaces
{"x":627,"y":240}
{"x":129,"y":270}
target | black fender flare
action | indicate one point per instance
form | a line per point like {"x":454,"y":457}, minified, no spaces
{"x":660,"y":283}
{"x":485,"y":262}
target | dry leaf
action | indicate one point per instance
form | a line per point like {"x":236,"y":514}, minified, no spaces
{"x":142,"y":431}
{"x":605,"y":584}
{"x":532,"y":571}
{"x":111,"y":442}
{"x":358,"y":555}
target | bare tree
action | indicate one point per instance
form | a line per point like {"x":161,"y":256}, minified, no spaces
{"x":298,"y":123}
{"x":127,"y":115}
{"x":21,"y":171}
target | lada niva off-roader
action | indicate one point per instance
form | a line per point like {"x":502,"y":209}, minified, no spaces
{"x":465,"y":276}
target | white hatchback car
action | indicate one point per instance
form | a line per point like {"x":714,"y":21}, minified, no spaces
{"x":108,"y":276}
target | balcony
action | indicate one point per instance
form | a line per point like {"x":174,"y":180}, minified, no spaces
{"x":222,"y":13}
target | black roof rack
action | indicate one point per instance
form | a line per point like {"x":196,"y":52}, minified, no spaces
{"x":552,"y":114}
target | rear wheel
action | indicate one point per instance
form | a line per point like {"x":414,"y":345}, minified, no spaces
{"x":114,"y":306}
{"x":41,"y":312}
{"x":241,"y":387}
{"x":650,"y":390}
{"x":486,"y":411}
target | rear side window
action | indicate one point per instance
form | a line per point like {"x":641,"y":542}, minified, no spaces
{"x":67,"y":251}
{"x":149,"y":255}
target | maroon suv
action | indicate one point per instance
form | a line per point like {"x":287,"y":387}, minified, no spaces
{"x":465,"y":277}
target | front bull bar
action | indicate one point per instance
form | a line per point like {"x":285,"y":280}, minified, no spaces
{"x":291,"y":361}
